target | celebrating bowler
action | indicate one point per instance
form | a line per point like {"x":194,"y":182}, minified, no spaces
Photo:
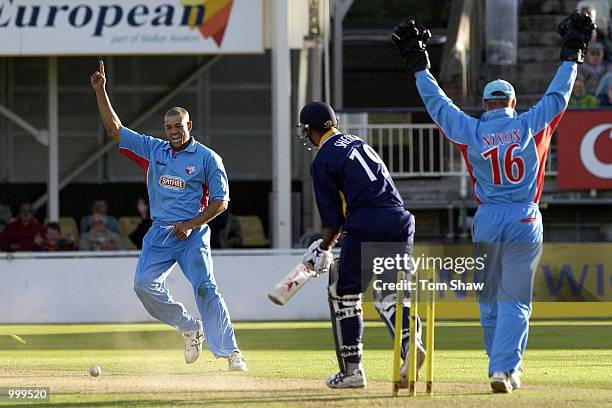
{"x":187,"y":187}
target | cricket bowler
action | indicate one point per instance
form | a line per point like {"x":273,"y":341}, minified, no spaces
{"x":187,"y":187}
{"x":354,"y":194}
{"x":505,"y":155}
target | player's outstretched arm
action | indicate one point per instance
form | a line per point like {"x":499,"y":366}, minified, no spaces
{"x":410,"y":37}
{"x":576,"y":31}
{"x":111,"y":121}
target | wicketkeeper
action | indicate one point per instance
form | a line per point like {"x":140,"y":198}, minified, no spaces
{"x":505,"y":155}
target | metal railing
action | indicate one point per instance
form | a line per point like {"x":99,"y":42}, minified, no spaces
{"x":418,"y":150}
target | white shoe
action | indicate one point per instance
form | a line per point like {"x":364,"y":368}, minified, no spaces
{"x":404,"y":370}
{"x":193,"y":343}
{"x":236,"y":362}
{"x":500,"y":382}
{"x":515,"y":378}
{"x":355,"y":380}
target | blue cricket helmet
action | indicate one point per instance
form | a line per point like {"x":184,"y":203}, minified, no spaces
{"x":318,"y":115}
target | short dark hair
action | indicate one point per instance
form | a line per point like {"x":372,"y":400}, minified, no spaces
{"x":501,"y":103}
{"x":178,"y":111}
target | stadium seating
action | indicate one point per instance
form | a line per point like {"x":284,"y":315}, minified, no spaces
{"x":252,"y":231}
{"x":127,"y":225}
{"x":68,"y":227}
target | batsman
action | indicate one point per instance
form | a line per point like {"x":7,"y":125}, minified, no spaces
{"x":355,"y":194}
{"x":505,"y":155}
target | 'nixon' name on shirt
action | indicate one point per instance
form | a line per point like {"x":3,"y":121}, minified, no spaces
{"x":498,"y":139}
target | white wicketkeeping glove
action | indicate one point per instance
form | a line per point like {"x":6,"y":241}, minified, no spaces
{"x":320,"y":260}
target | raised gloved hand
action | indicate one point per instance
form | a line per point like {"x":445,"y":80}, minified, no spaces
{"x":319,"y":259}
{"x":411,"y":38}
{"x":576,"y":30}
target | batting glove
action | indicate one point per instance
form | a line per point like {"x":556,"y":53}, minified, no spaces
{"x":576,"y":31}
{"x":411,"y":38}
{"x":318,"y":259}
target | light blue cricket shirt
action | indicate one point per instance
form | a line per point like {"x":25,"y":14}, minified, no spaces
{"x":179,"y":183}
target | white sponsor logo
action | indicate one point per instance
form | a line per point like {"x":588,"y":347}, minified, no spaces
{"x":587,"y":152}
{"x":69,"y":27}
{"x":172,"y":182}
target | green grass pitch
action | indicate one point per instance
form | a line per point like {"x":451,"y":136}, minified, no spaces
{"x":567,"y":364}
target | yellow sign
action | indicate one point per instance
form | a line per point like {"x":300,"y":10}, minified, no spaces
{"x":573,"y":280}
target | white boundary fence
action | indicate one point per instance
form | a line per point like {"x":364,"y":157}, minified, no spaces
{"x":97,"y":287}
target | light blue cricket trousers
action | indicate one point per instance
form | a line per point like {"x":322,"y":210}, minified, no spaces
{"x":511,"y":235}
{"x":160,"y":253}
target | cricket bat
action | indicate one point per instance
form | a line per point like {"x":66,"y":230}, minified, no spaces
{"x":291,"y":284}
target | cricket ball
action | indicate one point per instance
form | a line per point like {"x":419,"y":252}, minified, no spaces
{"x":95,"y":370}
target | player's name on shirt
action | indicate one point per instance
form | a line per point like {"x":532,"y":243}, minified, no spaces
{"x":498,"y":139}
{"x":345,"y":140}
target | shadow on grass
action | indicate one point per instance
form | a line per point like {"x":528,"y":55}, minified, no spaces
{"x":304,"y":339}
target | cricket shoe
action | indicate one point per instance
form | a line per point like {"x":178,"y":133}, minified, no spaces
{"x":236,"y":362}
{"x":355,"y":380}
{"x":193,"y":343}
{"x":515,"y":378}
{"x":500,"y":382}
{"x":420,"y":351}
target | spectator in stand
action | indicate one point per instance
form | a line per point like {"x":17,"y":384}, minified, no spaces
{"x":99,"y":207}
{"x":145,"y":223}
{"x":605,"y":100}
{"x":602,"y":15}
{"x":580,"y":98}
{"x":599,"y":34}
{"x":604,"y":83}
{"x":53,"y":241}
{"x":231,"y":235}
{"x":216,"y":226}
{"x":594,"y":67}
{"x":225,"y":231}
{"x":6,"y":216}
{"x":19,"y":235}
{"x":99,"y":237}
